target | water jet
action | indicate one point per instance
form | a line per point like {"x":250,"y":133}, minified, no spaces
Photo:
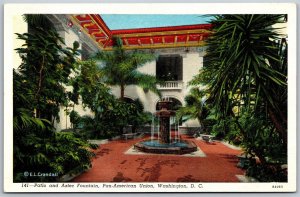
{"x":164,"y":143}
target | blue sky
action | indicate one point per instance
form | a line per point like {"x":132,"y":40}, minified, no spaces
{"x":129,"y":21}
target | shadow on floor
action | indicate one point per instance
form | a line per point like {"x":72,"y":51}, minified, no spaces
{"x":187,"y":178}
{"x":104,"y":151}
{"x":152,"y":174}
{"x":230,"y":158}
{"x":121,"y":178}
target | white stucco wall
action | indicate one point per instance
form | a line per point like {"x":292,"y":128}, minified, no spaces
{"x":20,"y":26}
{"x":64,"y":119}
{"x":192,"y":62}
{"x":149,"y":68}
{"x":64,"y":123}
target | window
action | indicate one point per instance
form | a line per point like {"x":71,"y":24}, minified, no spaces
{"x":169,"y":68}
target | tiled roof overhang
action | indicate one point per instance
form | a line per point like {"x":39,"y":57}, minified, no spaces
{"x":142,"y":38}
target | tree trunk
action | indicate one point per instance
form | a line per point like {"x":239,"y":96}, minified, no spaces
{"x":201,"y":125}
{"x":121,"y":128}
{"x":38,"y":92}
{"x":237,"y":123}
{"x":122,"y":91}
{"x":260,"y":156}
{"x":278,"y":125}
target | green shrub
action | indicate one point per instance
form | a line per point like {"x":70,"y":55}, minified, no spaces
{"x":74,"y":119}
{"x":38,"y":149}
{"x":267,"y":173}
{"x":38,"y":93}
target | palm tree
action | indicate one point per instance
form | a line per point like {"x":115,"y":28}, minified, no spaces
{"x":120,"y":68}
{"x":245,"y":67}
{"x":195,"y":107}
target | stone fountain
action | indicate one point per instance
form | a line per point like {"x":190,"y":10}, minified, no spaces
{"x":164,"y":119}
{"x":164,"y":144}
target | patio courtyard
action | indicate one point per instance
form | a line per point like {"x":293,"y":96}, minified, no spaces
{"x":115,"y":161}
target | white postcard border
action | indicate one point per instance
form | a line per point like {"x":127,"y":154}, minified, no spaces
{"x":152,"y":8}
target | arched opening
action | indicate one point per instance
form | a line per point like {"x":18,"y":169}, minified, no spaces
{"x":128,"y":100}
{"x":175,"y":105}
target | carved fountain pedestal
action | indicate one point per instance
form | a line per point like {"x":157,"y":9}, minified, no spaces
{"x":164,"y":144}
{"x":164,"y":115}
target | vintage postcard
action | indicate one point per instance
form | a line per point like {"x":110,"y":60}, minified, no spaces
{"x":150,"y":97}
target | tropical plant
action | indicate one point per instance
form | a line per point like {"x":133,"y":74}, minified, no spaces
{"x":88,"y":84}
{"x":223,"y":127}
{"x":138,"y":116}
{"x":245,"y":72}
{"x":74,"y":119}
{"x":37,"y":148}
{"x":38,"y":20}
{"x":245,"y":67}
{"x":96,"y":96}
{"x":46,"y":66}
{"x":259,"y":137}
{"x":38,"y":93}
{"x":264,"y":173}
{"x":195,"y":106}
{"x":40,"y":150}
{"x":120,"y":68}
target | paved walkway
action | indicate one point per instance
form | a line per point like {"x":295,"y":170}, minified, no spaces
{"x":113,"y":165}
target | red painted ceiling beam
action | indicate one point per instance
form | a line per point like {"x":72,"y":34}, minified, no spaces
{"x":161,"y":29}
{"x":155,"y":39}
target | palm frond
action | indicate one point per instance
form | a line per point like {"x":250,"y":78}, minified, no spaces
{"x":119,"y":67}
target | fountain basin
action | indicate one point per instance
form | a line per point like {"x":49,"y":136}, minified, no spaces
{"x":178,"y":148}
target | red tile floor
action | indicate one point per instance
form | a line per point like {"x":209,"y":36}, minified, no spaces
{"x":111,"y":164}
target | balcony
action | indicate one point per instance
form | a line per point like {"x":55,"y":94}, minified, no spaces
{"x":170,"y":85}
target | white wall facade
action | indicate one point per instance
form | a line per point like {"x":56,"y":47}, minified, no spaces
{"x":192,"y":63}
{"x":64,"y":122}
{"x":20,"y":26}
